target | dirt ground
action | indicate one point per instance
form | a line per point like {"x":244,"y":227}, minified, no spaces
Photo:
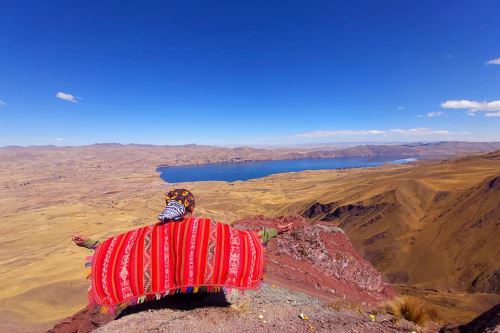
{"x":271,"y":309}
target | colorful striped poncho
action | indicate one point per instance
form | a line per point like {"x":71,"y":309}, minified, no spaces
{"x":192,"y":255}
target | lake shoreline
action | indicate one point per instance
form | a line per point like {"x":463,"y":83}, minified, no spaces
{"x":246,"y":170}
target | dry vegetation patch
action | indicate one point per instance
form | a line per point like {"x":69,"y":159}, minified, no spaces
{"x":411,"y":309}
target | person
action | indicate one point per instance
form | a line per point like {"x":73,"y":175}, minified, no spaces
{"x":180,"y":204}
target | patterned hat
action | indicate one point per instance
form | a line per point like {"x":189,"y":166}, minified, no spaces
{"x":174,"y":211}
{"x":183,"y":197}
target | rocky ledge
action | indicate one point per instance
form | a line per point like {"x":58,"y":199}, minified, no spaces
{"x":318,"y":259}
{"x":270,"y":309}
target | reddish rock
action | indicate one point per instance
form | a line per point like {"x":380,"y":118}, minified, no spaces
{"x":319,"y":259}
{"x":84,"y":321}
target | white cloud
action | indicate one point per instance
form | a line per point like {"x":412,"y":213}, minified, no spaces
{"x":472,"y":106}
{"x":493,"y":114}
{"x":420,"y":131}
{"x":401,"y":108}
{"x":58,"y":139}
{"x":495,"y":61}
{"x":327,"y":134}
{"x":435,"y":114}
{"x":2,"y":103}
{"x":67,"y":97}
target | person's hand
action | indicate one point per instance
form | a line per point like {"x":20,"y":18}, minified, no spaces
{"x":79,"y":239}
{"x":284,"y":227}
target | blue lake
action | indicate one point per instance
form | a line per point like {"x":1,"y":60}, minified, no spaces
{"x":249,"y":170}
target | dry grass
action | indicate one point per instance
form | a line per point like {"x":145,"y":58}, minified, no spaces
{"x":412,"y":309}
{"x":340,"y":304}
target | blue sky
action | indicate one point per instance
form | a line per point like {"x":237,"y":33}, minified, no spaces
{"x":255,"y":72}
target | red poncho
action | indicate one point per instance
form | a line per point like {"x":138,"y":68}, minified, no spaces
{"x":193,"y":255}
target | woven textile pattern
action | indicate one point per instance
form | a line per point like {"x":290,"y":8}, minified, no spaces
{"x":187,"y":256}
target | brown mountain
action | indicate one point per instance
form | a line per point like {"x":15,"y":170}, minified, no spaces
{"x":419,"y":230}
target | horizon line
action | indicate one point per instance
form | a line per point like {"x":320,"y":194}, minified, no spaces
{"x":354,"y":143}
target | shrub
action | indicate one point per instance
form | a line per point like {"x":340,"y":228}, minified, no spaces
{"x":412,"y":309}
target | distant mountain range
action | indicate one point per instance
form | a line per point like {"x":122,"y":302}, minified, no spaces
{"x":411,"y":149}
{"x":152,"y":156}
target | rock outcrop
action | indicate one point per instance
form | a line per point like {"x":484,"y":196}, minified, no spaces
{"x":319,"y":259}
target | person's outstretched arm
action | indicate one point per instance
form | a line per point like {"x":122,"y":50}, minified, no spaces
{"x":85,"y":241}
{"x":268,"y":233}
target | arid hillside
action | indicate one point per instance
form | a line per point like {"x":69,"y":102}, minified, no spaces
{"x":429,"y":227}
{"x":435,"y":218}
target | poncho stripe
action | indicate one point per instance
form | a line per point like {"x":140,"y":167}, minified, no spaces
{"x":186,"y":256}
